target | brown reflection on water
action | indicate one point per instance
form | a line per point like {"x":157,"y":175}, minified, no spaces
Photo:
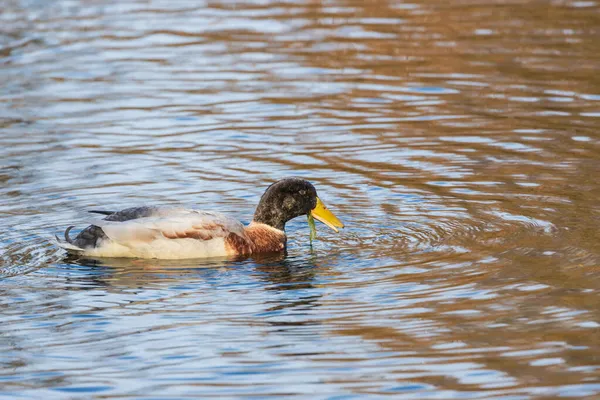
{"x":458,"y":141}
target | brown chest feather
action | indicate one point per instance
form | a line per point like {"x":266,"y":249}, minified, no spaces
{"x":258,"y":239}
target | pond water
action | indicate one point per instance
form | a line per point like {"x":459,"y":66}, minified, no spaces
{"x":458,"y":141}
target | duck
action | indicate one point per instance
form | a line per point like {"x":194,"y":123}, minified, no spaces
{"x":166,"y":232}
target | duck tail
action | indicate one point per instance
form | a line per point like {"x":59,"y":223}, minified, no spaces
{"x":68,"y":245}
{"x":67,"y":238}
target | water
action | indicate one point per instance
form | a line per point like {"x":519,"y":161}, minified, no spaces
{"x":458,"y":141}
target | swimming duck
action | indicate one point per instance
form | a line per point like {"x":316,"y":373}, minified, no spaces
{"x":179,"y":233}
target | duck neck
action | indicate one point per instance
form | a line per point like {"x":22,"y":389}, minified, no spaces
{"x":266,"y":213}
{"x":265,"y":238}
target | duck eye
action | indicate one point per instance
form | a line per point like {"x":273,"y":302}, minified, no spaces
{"x":303,"y":192}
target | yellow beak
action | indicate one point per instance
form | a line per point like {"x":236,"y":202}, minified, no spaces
{"x":321,"y":213}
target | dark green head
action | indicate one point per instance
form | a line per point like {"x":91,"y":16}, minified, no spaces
{"x":290,"y":198}
{"x":284,"y":200}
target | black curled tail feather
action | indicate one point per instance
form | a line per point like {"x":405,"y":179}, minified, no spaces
{"x":67,"y":238}
{"x":70,"y":245}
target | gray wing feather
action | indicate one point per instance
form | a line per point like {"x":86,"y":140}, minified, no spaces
{"x":90,"y":236}
{"x":101,"y":212}
{"x":135,"y":213}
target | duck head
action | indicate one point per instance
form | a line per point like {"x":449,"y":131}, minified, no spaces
{"x":290,"y":198}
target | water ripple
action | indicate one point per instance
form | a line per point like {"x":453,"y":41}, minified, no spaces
{"x":458,"y":142}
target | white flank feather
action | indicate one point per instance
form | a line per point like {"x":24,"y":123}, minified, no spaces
{"x":168,"y":234}
{"x":69,"y":247}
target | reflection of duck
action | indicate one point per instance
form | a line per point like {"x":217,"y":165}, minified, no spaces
{"x":177,"y":233}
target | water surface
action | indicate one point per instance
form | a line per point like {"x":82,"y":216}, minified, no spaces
{"x":458,"y":141}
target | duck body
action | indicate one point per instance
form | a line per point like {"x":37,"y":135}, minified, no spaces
{"x":180,"y":233}
{"x":174,"y":233}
